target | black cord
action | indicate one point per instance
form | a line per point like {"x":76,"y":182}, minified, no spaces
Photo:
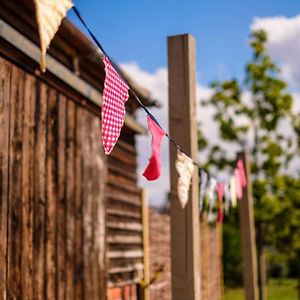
{"x":131,"y":90}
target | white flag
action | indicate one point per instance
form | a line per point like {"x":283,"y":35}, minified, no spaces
{"x":185,"y":168}
{"x":49,"y":15}
{"x":212,"y":215}
{"x":233,"y":191}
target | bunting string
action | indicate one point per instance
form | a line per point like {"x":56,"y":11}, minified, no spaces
{"x":116,"y":92}
{"x":227,"y":191}
{"x":126,"y":82}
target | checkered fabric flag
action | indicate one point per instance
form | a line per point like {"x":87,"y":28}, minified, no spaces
{"x":115,"y":94}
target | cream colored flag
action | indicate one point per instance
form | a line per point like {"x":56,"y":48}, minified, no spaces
{"x":212,"y":214}
{"x":185,"y":169}
{"x":49,"y":15}
{"x":233,"y":191}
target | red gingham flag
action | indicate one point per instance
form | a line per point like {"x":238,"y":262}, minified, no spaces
{"x":115,"y":94}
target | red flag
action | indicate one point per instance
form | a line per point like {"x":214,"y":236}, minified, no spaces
{"x":242,"y":174}
{"x":153,"y":169}
{"x":220,"y":198}
{"x":115,"y":94}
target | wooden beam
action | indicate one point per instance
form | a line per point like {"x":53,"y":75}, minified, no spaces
{"x":248,"y":234}
{"x":125,"y":254}
{"x":60,"y":71}
{"x":146,"y":245}
{"x":185,"y":250}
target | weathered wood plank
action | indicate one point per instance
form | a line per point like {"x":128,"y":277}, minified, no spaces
{"x":125,"y":239}
{"x":87,"y":207}
{"x":99,"y":184}
{"x":121,"y":180}
{"x":114,"y":163}
{"x":78,"y":294}
{"x":61,"y":203}
{"x":27,"y":187}
{"x":119,"y":170}
{"x":119,"y":196}
{"x":125,"y":254}
{"x":121,"y":212}
{"x":123,"y":187}
{"x":50,"y":224}
{"x":123,"y":157}
{"x":127,"y":147}
{"x":125,"y":226}
{"x":146,"y":245}
{"x":70,"y":210}
{"x":248,"y":234}
{"x":15,"y":185}
{"x":40,"y":192}
{"x":94,"y":197}
{"x":133,"y":267}
{"x":5,"y":73}
{"x":185,"y":253}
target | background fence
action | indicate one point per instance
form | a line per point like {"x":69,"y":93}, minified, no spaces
{"x":210,"y":258}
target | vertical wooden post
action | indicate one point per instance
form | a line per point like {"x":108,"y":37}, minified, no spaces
{"x":185,"y":250}
{"x":262,"y":278}
{"x":248,"y":234}
{"x":146,"y":246}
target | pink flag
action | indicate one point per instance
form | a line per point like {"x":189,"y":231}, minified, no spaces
{"x":238,"y":184}
{"x":153,"y":169}
{"x":242,"y":174}
{"x":115,"y":94}
{"x":220,"y":198}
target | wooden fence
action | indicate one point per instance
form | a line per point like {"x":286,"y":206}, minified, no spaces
{"x":210,"y":258}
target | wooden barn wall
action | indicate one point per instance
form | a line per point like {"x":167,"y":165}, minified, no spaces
{"x":123,"y":215}
{"x":52,"y":193}
{"x":211,"y":267}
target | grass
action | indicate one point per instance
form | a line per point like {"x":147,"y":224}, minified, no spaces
{"x":278,"y":289}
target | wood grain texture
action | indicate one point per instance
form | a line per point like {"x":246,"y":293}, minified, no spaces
{"x":40,"y":191}
{"x":98,"y":189}
{"x":185,"y":252}
{"x":70,"y":196}
{"x":87,"y":211}
{"x":27,"y":186}
{"x":61,"y":200}
{"x":248,"y":234}
{"x":5,"y":82}
{"x":78,"y":245}
{"x":15,"y":184}
{"x":50,"y":226}
{"x":54,"y":185}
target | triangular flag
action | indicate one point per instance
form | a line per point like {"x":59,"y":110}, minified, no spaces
{"x":49,"y":15}
{"x":238,"y":185}
{"x":203,"y":184}
{"x":185,"y":168}
{"x":212,"y":215}
{"x":233,"y":191}
{"x":115,"y":94}
{"x":153,"y":169}
{"x":226,"y":198}
{"x":242,"y":173}
{"x":220,"y":200}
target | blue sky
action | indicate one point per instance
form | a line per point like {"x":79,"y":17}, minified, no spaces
{"x":136,"y":30}
{"x":134,"y":33}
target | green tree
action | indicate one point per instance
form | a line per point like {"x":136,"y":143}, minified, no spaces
{"x":258,"y":114}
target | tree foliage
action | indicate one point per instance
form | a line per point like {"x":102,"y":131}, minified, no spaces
{"x":258,"y":114}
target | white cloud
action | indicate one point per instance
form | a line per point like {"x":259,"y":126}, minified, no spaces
{"x":157,"y":84}
{"x":284,"y":47}
{"x":283,"y":44}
